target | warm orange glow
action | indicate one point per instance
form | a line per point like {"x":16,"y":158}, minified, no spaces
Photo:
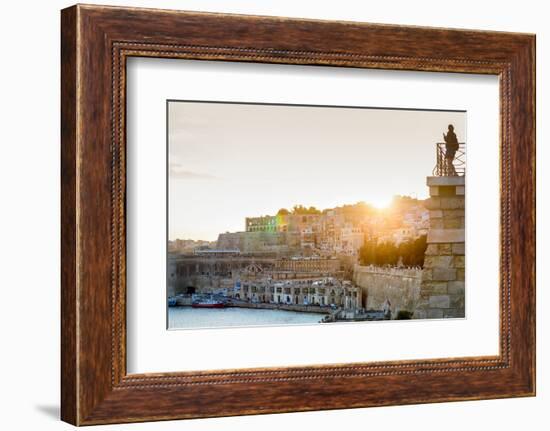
{"x":382,"y":203}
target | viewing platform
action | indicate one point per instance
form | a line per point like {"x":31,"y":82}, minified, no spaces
{"x":445,"y":169}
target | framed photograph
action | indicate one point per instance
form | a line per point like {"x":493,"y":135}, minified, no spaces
{"x":265,"y":215}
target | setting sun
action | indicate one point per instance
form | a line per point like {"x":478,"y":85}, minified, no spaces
{"x":381,"y":202}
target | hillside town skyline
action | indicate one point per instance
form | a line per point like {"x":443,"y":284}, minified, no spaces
{"x":380,"y":207}
{"x":302,"y":230}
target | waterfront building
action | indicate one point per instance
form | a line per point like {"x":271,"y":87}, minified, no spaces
{"x":322,"y":292}
{"x":206,"y":272}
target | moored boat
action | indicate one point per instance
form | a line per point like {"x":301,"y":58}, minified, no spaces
{"x":207,"y":303}
{"x":172,"y":301}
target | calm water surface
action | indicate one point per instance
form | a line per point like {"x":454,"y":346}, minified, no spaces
{"x":188,"y":317}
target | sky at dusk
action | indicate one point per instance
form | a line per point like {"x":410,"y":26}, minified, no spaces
{"x":230,"y":161}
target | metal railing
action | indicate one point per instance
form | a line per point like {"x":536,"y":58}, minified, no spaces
{"x":444,"y":166}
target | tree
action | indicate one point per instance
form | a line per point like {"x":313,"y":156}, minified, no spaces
{"x":410,"y":252}
{"x":386,"y":254}
{"x":302,"y":210}
{"x":367,"y":253}
{"x":419,"y":250}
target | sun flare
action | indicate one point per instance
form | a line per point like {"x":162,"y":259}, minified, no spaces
{"x":382,"y":202}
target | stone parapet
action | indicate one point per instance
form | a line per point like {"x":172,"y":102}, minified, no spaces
{"x":445,"y":181}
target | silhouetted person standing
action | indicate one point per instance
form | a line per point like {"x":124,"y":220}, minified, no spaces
{"x":451,"y":147}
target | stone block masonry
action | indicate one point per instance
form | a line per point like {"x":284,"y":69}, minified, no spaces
{"x":442,"y":288}
{"x":401,"y":286}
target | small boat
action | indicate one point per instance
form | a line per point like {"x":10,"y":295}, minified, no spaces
{"x":172,"y":301}
{"x":207,"y":303}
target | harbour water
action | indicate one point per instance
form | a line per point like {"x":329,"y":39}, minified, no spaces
{"x":194,"y":318}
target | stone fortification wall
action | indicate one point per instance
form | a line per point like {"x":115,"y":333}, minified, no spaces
{"x":401,"y":286}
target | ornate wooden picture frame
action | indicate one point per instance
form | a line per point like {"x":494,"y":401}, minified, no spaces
{"x":96,"y":41}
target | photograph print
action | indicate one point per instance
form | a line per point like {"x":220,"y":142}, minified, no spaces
{"x":305,"y":214}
